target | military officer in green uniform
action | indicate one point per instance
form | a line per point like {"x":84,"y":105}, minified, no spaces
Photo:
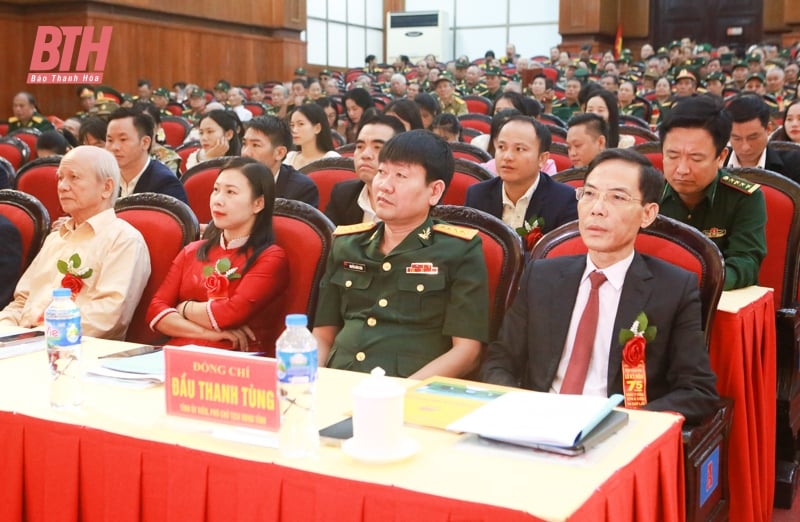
{"x":161,"y":100}
{"x":88,"y":100}
{"x":26,"y":115}
{"x":197,"y":106}
{"x":409,"y":294}
{"x":730,"y":211}
{"x":446,"y":93}
{"x":494,"y":83}
{"x":567,"y":106}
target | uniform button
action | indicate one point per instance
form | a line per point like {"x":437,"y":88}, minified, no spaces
{"x":383,"y":303}
{"x":348,"y":283}
{"x":387,"y":266}
{"x":372,"y":321}
{"x":360,"y":356}
{"x":420,"y":287}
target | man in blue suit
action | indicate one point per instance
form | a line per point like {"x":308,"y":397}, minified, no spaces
{"x":521,"y":192}
{"x":129,"y":138}
{"x":267,"y":139}
{"x":10,"y":259}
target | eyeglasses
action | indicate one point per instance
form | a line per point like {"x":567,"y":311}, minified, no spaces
{"x":615,"y":198}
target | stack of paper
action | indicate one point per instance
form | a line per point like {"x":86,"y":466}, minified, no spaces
{"x":145,"y":369}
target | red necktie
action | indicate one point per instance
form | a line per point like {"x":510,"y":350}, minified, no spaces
{"x":584,"y":339}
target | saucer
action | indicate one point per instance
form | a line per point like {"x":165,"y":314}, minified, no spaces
{"x":406,"y":448}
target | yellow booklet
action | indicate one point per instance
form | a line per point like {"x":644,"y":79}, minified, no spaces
{"x":439,"y":401}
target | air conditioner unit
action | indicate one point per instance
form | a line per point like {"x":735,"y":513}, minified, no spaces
{"x":417,"y":34}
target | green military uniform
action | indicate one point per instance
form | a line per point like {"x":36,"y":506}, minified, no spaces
{"x":455,"y":106}
{"x":37,"y":122}
{"x":493,"y":95}
{"x":633,"y":109}
{"x":660,"y":111}
{"x":192,"y":117}
{"x":733,"y":215}
{"x":400,"y":311}
{"x":565,"y":110}
{"x":477,"y":90}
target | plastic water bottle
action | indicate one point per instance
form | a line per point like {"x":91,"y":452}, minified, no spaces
{"x":62,"y":321}
{"x":296,"y":354}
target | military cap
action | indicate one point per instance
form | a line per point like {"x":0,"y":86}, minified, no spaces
{"x":755,"y":76}
{"x":493,"y":71}
{"x":161,"y":91}
{"x":581,"y":72}
{"x":653,"y":75}
{"x":703,"y":48}
{"x":445,"y":76}
{"x":104,"y":108}
{"x":86,"y":92}
{"x":300,"y":71}
{"x":462,"y":63}
{"x":673,"y":44}
{"x":197,"y":92}
{"x":127,"y":98}
{"x":222,"y":85}
{"x":754,"y":57}
{"x":740,"y":63}
{"x":624,"y":59}
{"x":684,"y":73}
{"x":716,"y":75}
{"x":326,"y":72}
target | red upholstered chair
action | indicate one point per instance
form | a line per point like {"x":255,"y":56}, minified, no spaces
{"x":3,"y":127}
{"x":257,"y":108}
{"x":338,"y":139}
{"x":29,"y":136}
{"x":651,"y":149}
{"x":31,"y":219}
{"x":326,"y":173}
{"x":479,"y":122}
{"x":560,"y":154}
{"x":167,"y":226}
{"x":551,"y":73}
{"x":176,"y":128}
{"x":175,"y":108}
{"x":557,"y":134}
{"x":639,"y":134}
{"x":502,"y":250}
{"x":551,"y":119}
{"x":468,"y":133}
{"x":465,"y":174}
{"x":573,"y":176}
{"x":469,"y":152}
{"x":688,"y":248}
{"x":347,"y":150}
{"x":306,"y":235}
{"x":478,"y":104}
{"x":8,"y":174}
{"x":15,"y":151}
{"x":784,"y":146}
{"x":184,"y":151}
{"x":39,"y":179}
{"x":628,"y":119}
{"x":198,"y":182}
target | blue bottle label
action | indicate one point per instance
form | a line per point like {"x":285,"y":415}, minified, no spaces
{"x":63,"y":332}
{"x":297,"y":367}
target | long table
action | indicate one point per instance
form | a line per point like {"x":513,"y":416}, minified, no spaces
{"x":122,"y":458}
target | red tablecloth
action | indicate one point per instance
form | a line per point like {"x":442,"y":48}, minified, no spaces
{"x":742,"y":354}
{"x":65,"y":473}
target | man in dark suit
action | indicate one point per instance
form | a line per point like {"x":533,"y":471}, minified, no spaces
{"x":749,"y":136}
{"x":267,"y":139}
{"x":538,"y":346}
{"x":351,"y":201}
{"x":10,"y":259}
{"x":129,"y":138}
{"x":521,"y":193}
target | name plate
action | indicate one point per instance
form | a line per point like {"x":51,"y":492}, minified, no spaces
{"x":221,"y":386}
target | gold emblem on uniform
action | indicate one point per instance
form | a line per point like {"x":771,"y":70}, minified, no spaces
{"x":714,"y":232}
{"x":425,"y":234}
{"x":344,"y":230}
{"x":452,"y":230}
{"x":360,"y":356}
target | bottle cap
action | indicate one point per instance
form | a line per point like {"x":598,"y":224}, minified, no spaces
{"x":62,"y":292}
{"x":296,"y":320}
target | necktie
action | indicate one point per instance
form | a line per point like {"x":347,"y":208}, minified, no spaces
{"x":584,"y":339}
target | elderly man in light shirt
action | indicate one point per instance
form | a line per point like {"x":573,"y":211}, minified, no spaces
{"x":101,"y":258}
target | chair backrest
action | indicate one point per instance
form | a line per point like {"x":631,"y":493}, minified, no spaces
{"x":502,"y":251}
{"x":15,"y":151}
{"x":39,"y":179}
{"x":479,"y":122}
{"x":465,"y":174}
{"x":31,"y":219}
{"x":184,"y":151}
{"x":468,"y":133}
{"x":29,"y":136}
{"x":469,"y":152}
{"x":784,"y":146}
{"x":629,"y":119}
{"x":666,"y":239}
{"x":551,"y":119}
{"x":557,"y":134}
{"x":8,"y":174}
{"x":326,"y":173}
{"x":651,"y":149}
{"x":478,"y":104}
{"x":257,"y":108}
{"x":175,"y":108}
{"x":779,"y":270}
{"x":347,"y":150}
{"x":3,"y":127}
{"x":198,"y":182}
{"x":306,"y":235}
{"x":559,"y":153}
{"x":176,"y":128}
{"x":167,"y":225}
{"x":640,"y":135}
{"x":573,"y":176}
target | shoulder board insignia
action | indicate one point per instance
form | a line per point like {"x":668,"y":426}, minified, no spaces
{"x":13,"y":119}
{"x":455,"y":231}
{"x":37,"y":119}
{"x":346,"y":230}
{"x":740,"y":184}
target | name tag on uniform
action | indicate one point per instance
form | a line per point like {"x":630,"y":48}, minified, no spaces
{"x":422,"y":268}
{"x":355,"y":267}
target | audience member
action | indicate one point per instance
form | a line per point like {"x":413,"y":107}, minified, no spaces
{"x":407,"y":111}
{"x":26,"y":114}
{"x":93,"y":131}
{"x":236,"y":99}
{"x":10,"y":259}
{"x":311,"y":135}
{"x":52,"y":143}
{"x":218,"y":137}
{"x":791,"y":124}
{"x":355,"y":101}
{"x":447,"y":127}
{"x":586,"y":138}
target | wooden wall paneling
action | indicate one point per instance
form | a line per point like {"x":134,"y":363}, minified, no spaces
{"x":773,"y":16}
{"x":635,"y":19}
{"x":791,"y":12}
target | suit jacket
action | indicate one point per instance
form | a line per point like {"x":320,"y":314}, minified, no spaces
{"x":785,"y":162}
{"x":292,"y":184}
{"x":343,"y":206}
{"x":552,"y":201}
{"x":10,"y":259}
{"x":531,"y":341}
{"x":158,"y":178}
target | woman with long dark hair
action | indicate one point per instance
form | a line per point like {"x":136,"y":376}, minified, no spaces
{"x":311,"y":135}
{"x":219,"y":136}
{"x":227,"y":290}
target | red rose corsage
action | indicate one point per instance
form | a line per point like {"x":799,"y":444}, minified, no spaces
{"x":634,"y":373}
{"x":74,"y":274}
{"x":531,"y":232}
{"x":218,"y":278}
